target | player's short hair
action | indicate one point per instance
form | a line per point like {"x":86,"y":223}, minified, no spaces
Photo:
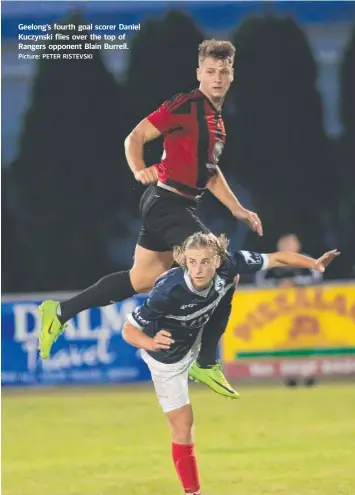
{"x":197,"y":240}
{"x":222,"y":50}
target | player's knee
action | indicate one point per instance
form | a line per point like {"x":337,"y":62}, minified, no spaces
{"x":182,"y":434}
{"x":142,"y":280}
{"x":181,"y":423}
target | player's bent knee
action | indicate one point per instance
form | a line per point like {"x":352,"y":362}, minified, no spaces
{"x":182,"y":433}
{"x":183,"y":436}
{"x":181,"y":424}
{"x":143,"y":280}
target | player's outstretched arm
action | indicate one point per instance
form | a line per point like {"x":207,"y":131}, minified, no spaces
{"x":137,"y":338}
{"x":295,"y":260}
{"x":134,"y":149}
{"x":219,"y":187}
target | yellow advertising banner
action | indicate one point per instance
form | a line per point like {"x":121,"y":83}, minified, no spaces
{"x":269,"y":323}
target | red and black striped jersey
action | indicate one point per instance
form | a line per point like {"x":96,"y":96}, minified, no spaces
{"x":194,"y":137}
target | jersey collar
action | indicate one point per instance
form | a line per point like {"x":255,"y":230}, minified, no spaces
{"x":219,"y":112}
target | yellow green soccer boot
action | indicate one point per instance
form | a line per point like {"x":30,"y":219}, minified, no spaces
{"x":214,"y":378}
{"x":51,"y":327}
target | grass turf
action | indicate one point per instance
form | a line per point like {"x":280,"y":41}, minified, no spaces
{"x":115,"y":441}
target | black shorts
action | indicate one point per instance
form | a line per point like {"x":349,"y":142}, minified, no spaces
{"x":167,"y":219}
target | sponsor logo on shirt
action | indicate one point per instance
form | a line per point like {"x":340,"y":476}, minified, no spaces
{"x":211,"y":166}
{"x":188,"y":306}
{"x":139,"y":319}
{"x":251,"y":258}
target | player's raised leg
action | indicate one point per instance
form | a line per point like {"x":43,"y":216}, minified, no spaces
{"x":51,"y":327}
{"x":148,"y":265}
{"x":206,"y":369}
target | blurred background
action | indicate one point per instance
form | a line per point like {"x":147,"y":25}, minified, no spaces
{"x":70,"y":216}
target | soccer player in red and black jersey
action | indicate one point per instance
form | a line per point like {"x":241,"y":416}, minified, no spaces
{"x":194,"y":137}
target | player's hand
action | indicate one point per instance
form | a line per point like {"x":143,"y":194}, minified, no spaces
{"x":250,"y":218}
{"x":162,"y":340}
{"x":147,"y":176}
{"x":322,"y":262}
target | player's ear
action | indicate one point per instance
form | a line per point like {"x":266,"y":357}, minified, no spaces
{"x":198,"y":74}
{"x":232,"y":78}
{"x":218,"y":261}
{"x":183,"y":260}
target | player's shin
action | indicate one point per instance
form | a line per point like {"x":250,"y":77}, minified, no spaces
{"x":186,"y":467}
{"x":112,"y":288}
{"x":183,"y":453}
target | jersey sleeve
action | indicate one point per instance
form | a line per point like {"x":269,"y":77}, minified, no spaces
{"x":153,"y":308}
{"x":248,"y":261}
{"x":164,"y":118}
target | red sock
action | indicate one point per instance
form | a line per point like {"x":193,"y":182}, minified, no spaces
{"x":186,"y":467}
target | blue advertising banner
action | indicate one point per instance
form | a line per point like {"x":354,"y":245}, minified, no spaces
{"x":91,"y":350}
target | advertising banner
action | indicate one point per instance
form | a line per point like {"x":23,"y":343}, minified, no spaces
{"x":303,"y":331}
{"x":90,"y":351}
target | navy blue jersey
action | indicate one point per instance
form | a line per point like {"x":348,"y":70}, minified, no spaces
{"x":174,"y":304}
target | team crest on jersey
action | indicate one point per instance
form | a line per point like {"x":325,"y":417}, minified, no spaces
{"x":220,"y":285}
{"x":216,"y":154}
{"x":250,"y":257}
{"x":217,"y":151}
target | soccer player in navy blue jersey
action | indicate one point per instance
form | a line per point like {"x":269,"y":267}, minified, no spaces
{"x":169,"y":325}
{"x":194,"y":137}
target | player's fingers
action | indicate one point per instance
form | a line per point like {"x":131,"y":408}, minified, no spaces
{"x":165,"y":333}
{"x":162,"y":346}
{"x":252,"y":223}
{"x":142,"y":178}
{"x":154,"y":171}
{"x":164,"y":340}
{"x":151,"y":174}
{"x":327,"y":258}
{"x":165,"y":344}
{"x":149,"y":180}
{"x":252,"y":217}
{"x":157,"y":346}
{"x":256,"y":223}
{"x":319,"y":265}
{"x":162,"y":336}
{"x":148,"y":175}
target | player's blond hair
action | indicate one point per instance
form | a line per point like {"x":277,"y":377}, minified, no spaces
{"x":218,"y":245}
{"x":219,"y":49}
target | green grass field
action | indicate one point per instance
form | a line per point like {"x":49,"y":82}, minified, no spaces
{"x":115,"y":441}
